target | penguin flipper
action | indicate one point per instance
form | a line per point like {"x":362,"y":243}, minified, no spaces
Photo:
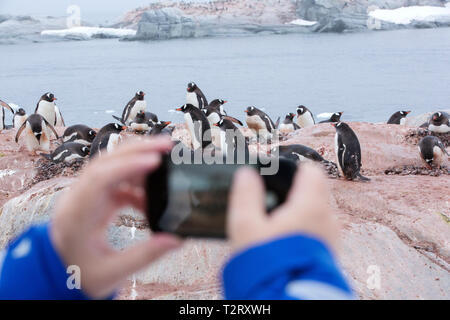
{"x":362,"y":178}
{"x":441,"y":145}
{"x":119,"y":119}
{"x":6,"y":106}
{"x":233,"y":120}
{"x":51,"y":127}
{"x":19,"y":132}
{"x":296,"y":126}
{"x":277,"y":123}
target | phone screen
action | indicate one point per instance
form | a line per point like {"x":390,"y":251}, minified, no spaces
{"x":191,"y":199}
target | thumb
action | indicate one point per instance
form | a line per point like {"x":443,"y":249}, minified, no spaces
{"x":246,"y":205}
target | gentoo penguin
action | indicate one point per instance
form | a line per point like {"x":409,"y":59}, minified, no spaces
{"x":298,"y":153}
{"x":198,"y":126}
{"x":79,"y":133}
{"x":67,"y":152}
{"x":133,"y":107}
{"x":20,"y":116}
{"x":232,"y":141}
{"x":304,"y":117}
{"x":46,"y":107}
{"x":348,"y":152}
{"x":214,"y":112}
{"x":260,"y":122}
{"x":195,"y":96}
{"x":3,"y":106}
{"x":140,"y":124}
{"x":398,"y":117}
{"x":151,"y":117}
{"x":432,"y":151}
{"x":160,"y":128}
{"x":36,"y":134}
{"x":335,"y":117}
{"x":107,"y":138}
{"x":439,"y":122}
{"x":288,"y":125}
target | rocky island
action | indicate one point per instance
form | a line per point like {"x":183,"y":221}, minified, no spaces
{"x":395,"y":229}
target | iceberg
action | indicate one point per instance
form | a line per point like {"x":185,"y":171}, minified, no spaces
{"x":86,"y":33}
{"x":325,"y":115}
{"x":407,"y":15}
{"x":304,"y":23}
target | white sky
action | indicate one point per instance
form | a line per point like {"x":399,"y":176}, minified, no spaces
{"x":98,"y":10}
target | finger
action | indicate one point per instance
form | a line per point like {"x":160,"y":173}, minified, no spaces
{"x":309,"y":183}
{"x":246,"y":204}
{"x":125,"y":263}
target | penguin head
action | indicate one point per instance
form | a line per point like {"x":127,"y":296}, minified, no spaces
{"x":436,"y":116}
{"x":85,"y":150}
{"x":50,"y":97}
{"x":404,"y":113}
{"x":140,"y":115}
{"x":162,"y":124}
{"x":191,"y":87}
{"x":301,"y":110}
{"x":140,"y":95}
{"x":251,"y":111}
{"x":20,"y":112}
{"x":290,"y":116}
{"x":217,"y":103}
{"x":185,"y":108}
{"x":36,"y":123}
{"x":336,"y":117}
{"x":114,"y":127}
{"x":91,"y":135}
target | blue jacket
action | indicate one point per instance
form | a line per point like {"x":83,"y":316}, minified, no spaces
{"x":293,"y":267}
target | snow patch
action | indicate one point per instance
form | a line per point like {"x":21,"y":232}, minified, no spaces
{"x":406,"y":15}
{"x":304,"y":23}
{"x":89,"y":32}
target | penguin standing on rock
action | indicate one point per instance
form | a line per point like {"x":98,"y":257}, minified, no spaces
{"x":432,"y":151}
{"x":133,"y":107}
{"x":260,"y":122}
{"x":439,"y":122}
{"x":3,"y":106}
{"x":67,"y":152}
{"x":335,"y":117}
{"x":398,"y":118}
{"x":140,"y":124}
{"x":348,"y":152}
{"x":198,"y":126}
{"x":20,"y":116}
{"x":106,"y":139}
{"x":79,"y":133}
{"x":195,"y":96}
{"x":305,"y":117}
{"x":288,"y":125}
{"x":46,"y":107}
{"x":214,"y":112}
{"x":232,"y":141}
{"x":36,"y":134}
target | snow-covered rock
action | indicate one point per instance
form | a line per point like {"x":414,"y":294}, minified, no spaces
{"x":408,"y":15}
{"x":85,"y":33}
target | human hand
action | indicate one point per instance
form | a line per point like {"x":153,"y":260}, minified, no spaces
{"x":83,"y":213}
{"x":306,"y":209}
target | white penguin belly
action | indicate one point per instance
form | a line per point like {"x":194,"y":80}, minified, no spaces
{"x":113,"y":142}
{"x":190,"y":125}
{"x":402,"y":121}
{"x":286,"y":128}
{"x":19,"y":120}
{"x":255,"y":123}
{"x":336,"y":151}
{"x":47,"y":110}
{"x":305,"y":120}
{"x":191,"y":98}
{"x":140,"y":105}
{"x":438,"y":156}
{"x":213,"y":118}
{"x":140,"y":127}
{"x":439,"y":129}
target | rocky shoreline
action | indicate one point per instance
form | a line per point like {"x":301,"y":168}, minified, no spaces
{"x":396,"y":225}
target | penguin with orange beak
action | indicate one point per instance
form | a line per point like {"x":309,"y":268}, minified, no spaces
{"x":398,"y":118}
{"x":46,"y":107}
{"x":198,"y":126}
{"x":439,"y":122}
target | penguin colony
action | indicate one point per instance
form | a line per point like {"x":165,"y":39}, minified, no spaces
{"x":208,"y":125}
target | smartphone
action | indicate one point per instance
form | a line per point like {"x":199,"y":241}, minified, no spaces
{"x":190,"y":200}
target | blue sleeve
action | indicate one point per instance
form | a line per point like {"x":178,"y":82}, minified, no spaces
{"x":293,"y":267}
{"x":30,"y":268}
